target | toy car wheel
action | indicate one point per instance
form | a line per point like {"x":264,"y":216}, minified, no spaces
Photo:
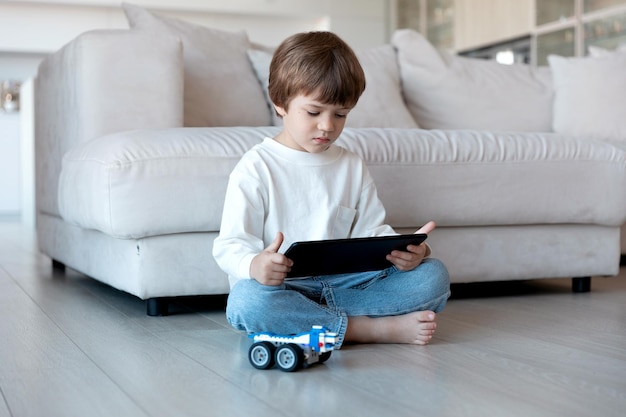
{"x":324,"y":356}
{"x":289,"y":357}
{"x":261,"y":355}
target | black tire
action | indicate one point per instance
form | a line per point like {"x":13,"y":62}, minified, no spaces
{"x":289,"y":357}
{"x":325,"y":356}
{"x":261,"y":355}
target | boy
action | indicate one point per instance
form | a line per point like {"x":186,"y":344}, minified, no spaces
{"x":300,"y":186}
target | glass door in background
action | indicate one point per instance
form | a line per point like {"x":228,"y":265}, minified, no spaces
{"x":434,"y":19}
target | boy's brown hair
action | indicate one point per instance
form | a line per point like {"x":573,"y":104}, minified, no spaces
{"x":315,"y":63}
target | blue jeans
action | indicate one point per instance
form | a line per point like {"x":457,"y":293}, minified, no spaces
{"x":329,"y":300}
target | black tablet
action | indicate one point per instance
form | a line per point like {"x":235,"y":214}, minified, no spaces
{"x":338,"y":256}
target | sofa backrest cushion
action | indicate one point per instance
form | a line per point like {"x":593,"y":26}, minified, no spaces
{"x":445,"y":91}
{"x":260,"y":60}
{"x":220,"y":86}
{"x":590,"y":95}
{"x":596,"y":51}
{"x":381,"y":104}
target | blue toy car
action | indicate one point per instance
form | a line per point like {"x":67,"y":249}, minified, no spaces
{"x":291,"y":352}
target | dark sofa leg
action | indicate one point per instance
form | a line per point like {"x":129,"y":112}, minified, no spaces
{"x":581,"y":284}
{"x":157,"y":306}
{"x":58,"y":266}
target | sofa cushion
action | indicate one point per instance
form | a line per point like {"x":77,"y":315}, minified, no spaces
{"x":152,"y":182}
{"x":478,"y":178}
{"x":590,"y":95}
{"x":218,"y":76}
{"x":260,"y":61}
{"x":381,"y":104}
{"x":596,"y":51}
{"x":445,"y":91}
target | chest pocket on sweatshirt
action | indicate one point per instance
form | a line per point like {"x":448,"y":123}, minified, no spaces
{"x":343,"y":223}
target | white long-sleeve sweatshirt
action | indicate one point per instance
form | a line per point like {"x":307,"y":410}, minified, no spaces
{"x":307,"y":196}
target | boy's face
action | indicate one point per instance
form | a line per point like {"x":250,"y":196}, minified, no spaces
{"x":309,"y":125}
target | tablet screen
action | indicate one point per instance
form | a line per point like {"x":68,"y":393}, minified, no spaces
{"x":328,"y":257}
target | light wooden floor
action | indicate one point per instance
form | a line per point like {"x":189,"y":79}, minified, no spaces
{"x":70,"y":346}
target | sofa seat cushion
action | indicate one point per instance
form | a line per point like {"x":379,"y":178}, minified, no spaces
{"x":478,"y":178}
{"x":152,"y":182}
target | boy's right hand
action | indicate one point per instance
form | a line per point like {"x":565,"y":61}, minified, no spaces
{"x":270,"y":267}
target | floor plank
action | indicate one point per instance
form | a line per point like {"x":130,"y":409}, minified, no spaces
{"x":159,"y":379}
{"x":4,"y":409}
{"x":70,"y":346}
{"x":41,"y":365}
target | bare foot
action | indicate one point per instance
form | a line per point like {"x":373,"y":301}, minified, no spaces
{"x":413,"y":328}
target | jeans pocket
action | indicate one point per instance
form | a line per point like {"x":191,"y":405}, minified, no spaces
{"x":343,"y":222}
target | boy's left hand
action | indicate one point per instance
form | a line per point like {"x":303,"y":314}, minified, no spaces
{"x":414,"y":255}
{"x":406,"y":261}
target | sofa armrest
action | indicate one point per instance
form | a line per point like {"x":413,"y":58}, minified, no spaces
{"x":102,"y":82}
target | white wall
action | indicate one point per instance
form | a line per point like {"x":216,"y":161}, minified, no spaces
{"x":18,"y":66}
{"x":9,"y":165}
{"x":29,"y":29}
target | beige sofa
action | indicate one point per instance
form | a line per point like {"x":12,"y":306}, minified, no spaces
{"x":137,"y":131}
